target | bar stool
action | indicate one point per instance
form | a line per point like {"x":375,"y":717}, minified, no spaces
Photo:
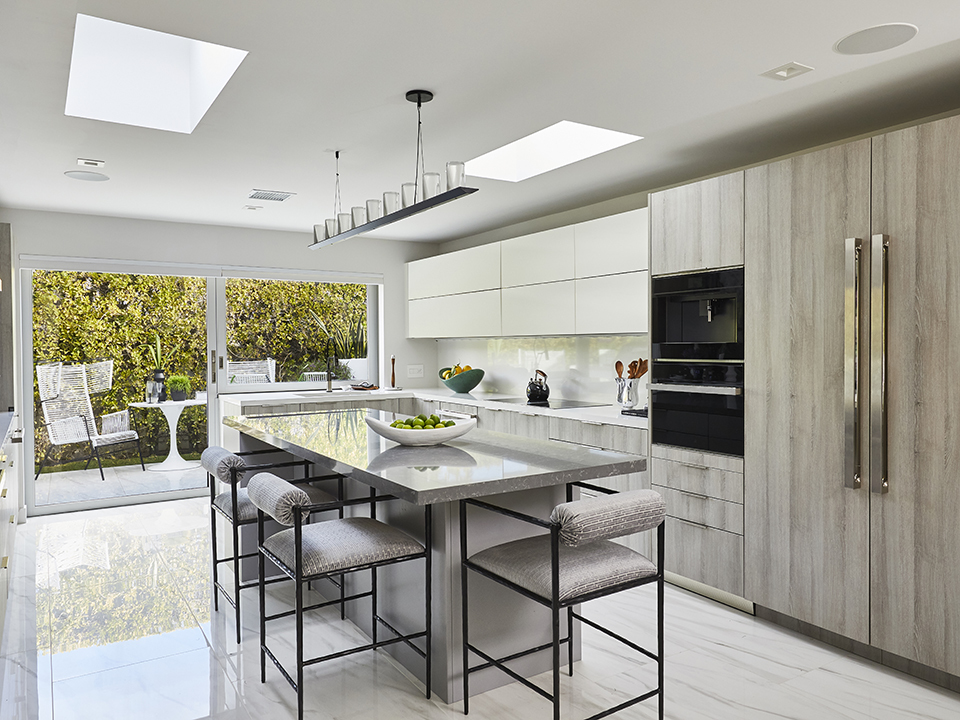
{"x":574,"y":563}
{"x":235,"y":507}
{"x":305,"y":553}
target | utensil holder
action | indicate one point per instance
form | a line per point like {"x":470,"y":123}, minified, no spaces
{"x":628,"y":392}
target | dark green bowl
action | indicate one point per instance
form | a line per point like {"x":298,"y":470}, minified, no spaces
{"x":465,"y":381}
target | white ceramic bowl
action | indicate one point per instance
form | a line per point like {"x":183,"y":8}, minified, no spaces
{"x":421,"y":438}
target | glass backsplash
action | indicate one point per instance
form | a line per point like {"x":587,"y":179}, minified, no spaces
{"x":580,"y":367}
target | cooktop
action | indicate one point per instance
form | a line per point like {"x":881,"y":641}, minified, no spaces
{"x":554,"y":403}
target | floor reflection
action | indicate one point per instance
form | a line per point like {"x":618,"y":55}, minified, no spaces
{"x":123,"y":481}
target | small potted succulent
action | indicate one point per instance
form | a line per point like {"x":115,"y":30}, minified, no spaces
{"x":179,"y":386}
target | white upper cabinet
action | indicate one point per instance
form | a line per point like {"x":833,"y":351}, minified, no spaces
{"x":464,"y":271}
{"x":614,"y":244}
{"x":613,"y":304}
{"x":475,"y":314}
{"x":539,"y":258}
{"x":544,"y":309}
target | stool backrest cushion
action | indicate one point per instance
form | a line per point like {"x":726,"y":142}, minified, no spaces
{"x":219,"y":462}
{"x":608,"y":516}
{"x":277,"y":498}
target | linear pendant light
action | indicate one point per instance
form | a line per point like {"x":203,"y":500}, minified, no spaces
{"x":321,"y":234}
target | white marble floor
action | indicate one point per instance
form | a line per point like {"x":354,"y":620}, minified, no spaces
{"x":110,"y":617}
{"x":120,"y":481}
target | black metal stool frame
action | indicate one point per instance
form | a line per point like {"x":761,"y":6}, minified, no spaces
{"x":238,"y":585}
{"x":556,"y":606}
{"x":296,"y":574}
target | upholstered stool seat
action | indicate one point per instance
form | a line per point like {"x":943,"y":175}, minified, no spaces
{"x":340,"y":544}
{"x":584,"y":569}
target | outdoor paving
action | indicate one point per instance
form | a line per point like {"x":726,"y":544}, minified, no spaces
{"x":123,"y":481}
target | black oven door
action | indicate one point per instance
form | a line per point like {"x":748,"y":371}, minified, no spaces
{"x":702,"y":417}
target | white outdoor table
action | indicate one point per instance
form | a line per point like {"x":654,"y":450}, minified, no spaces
{"x":171,"y":410}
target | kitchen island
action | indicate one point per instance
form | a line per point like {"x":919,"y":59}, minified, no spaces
{"x":520,"y":473}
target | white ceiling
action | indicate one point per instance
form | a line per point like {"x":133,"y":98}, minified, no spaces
{"x":326,"y":75}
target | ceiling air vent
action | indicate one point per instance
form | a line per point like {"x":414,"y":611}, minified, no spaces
{"x":272,"y":195}
{"x":787,"y":72}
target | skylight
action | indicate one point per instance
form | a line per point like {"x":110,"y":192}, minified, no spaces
{"x":548,"y":149}
{"x":125,"y":74}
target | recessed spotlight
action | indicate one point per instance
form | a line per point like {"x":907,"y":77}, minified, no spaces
{"x":787,"y":72}
{"x":553,"y":147}
{"x":86,"y":175}
{"x":876,"y":39}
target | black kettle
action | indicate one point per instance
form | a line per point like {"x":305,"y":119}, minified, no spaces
{"x":537,"y":389}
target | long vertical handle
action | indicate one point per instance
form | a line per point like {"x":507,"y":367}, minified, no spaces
{"x":213,"y":367}
{"x":851,"y":364}
{"x":878,"y":363}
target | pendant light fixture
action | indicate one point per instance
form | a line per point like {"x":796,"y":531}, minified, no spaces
{"x":422,"y":194}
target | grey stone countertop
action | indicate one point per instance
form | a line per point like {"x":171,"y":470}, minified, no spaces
{"x":478,"y":464}
{"x":607,"y":414}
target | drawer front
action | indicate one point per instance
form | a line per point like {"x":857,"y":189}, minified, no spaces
{"x":730,"y":463}
{"x":698,"y":479}
{"x":718,"y":514}
{"x":459,"y":408}
{"x":599,"y":435}
{"x":710,"y":556}
{"x":536,"y":427}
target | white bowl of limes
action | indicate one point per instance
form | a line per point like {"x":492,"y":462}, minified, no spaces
{"x":421,"y":430}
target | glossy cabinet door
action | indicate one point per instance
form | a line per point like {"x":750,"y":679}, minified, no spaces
{"x":806,"y":534}
{"x":465,"y":315}
{"x":915,"y":525}
{"x":698,"y":226}
{"x":612,"y":245}
{"x":613,"y":304}
{"x":539,"y":258}
{"x":464,"y":271}
{"x":545,"y":309}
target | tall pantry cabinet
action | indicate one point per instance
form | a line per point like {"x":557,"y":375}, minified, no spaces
{"x":852,"y":453}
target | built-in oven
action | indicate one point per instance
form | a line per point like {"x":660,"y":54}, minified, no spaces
{"x":697,"y":361}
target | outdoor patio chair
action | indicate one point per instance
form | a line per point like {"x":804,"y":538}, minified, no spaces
{"x":252,"y":371}
{"x":68,"y":414}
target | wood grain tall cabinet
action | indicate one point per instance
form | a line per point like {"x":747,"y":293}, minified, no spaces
{"x":915,"y":525}
{"x":806,"y":533}
{"x":879,"y":563}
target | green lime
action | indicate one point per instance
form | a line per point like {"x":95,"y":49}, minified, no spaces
{"x":407,"y":427}
{"x":423,"y":417}
{"x":449,"y":423}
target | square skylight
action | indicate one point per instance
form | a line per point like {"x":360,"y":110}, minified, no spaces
{"x":553,"y":147}
{"x":131,"y":75}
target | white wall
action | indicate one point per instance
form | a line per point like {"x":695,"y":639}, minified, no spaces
{"x":90,"y":236}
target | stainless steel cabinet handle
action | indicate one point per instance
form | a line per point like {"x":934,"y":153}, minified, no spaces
{"x":700,"y":389}
{"x":690,"y":522}
{"x":213,"y":366}
{"x":878,"y":363}
{"x":851,"y":364}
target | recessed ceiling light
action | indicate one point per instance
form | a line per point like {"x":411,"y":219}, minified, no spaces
{"x":134,"y":76}
{"x":787,"y":72}
{"x":876,"y":39}
{"x":561,"y":144}
{"x":87,"y":175}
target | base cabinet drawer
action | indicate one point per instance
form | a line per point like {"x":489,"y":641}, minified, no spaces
{"x":535,"y":427}
{"x":698,"y":475}
{"x":618,"y":438}
{"x":704,"y":554}
{"x":703,"y":510}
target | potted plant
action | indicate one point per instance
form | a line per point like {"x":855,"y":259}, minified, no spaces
{"x":179,"y":386}
{"x":156,"y":357}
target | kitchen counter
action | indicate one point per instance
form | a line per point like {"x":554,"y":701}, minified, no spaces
{"x":607,"y":414}
{"x":478,"y":464}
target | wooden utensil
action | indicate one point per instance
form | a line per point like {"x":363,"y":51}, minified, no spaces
{"x":632,"y":369}
{"x":619,"y":367}
{"x":642,"y":368}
